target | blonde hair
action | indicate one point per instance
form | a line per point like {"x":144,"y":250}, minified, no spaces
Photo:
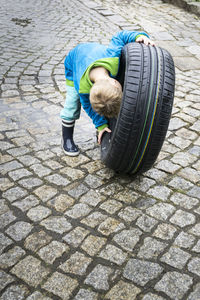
{"x":105,"y":98}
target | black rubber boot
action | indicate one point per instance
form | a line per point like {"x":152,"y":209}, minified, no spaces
{"x":67,"y":138}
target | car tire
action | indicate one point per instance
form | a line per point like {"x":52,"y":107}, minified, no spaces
{"x":147,"y":76}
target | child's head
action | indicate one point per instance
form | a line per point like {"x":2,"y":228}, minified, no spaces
{"x":106,"y":96}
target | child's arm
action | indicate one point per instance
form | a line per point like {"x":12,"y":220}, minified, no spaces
{"x":68,"y":63}
{"x":124,"y":37}
{"x":96,"y":118}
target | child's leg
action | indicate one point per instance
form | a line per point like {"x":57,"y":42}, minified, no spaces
{"x":72,"y":106}
{"x":69,"y":114}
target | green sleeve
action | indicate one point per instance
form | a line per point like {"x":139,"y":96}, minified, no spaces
{"x":102,"y":127}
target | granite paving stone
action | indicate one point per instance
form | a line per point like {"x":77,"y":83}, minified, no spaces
{"x":141,"y":272}
{"x":7,"y":218}
{"x":4,"y":242}
{"x":111,"y":206}
{"x":196,"y":248}
{"x":86,"y":294}
{"x":3,"y":207}
{"x":174,"y":284}
{"x":57,"y":180}
{"x":78,"y":191}
{"x":76,"y":264}
{"x":161,"y":211}
{"x":184,"y":240}
{"x":17,"y":292}
{"x":182,"y":218}
{"x":56,"y":224}
{"x":146,"y":223}
{"x":45,"y":192}
{"x":92,"y":198}
{"x":78,"y":211}
{"x":179,"y":183}
{"x":129,"y":214}
{"x":160,"y":192}
{"x":60,"y":285}
{"x":184,"y":200}
{"x":194,"y":295}
{"x":10,"y":166}
{"x":110,"y":225}
{"x":168,"y":166}
{"x":195,"y":230}
{"x":5,"y":184}
{"x":19,"y":173}
{"x":151,"y":296}
{"x":164,"y":231}
{"x":151,"y":248}
{"x":5,"y":279}
{"x":183,"y":159}
{"x":19,"y":230}
{"x":194,"y":265}
{"x":94,"y":219}
{"x":71,"y":228}
{"x":52,"y":251}
{"x":30,"y":183}
{"x":14,"y":193}
{"x":61,"y":203}
{"x":37,"y":240}
{"x":76,"y":236}
{"x":113,"y":254}
{"x":127,"y":239}
{"x":190,"y":173}
{"x":38,"y":213}
{"x":99,"y":277}
{"x":92,"y":244}
{"x":123,"y":290}
{"x":37,"y":296}
{"x":40,"y":170}
{"x":175,"y":257}
{"x":11,"y":257}
{"x":26,"y":203}
{"x":30,"y":270}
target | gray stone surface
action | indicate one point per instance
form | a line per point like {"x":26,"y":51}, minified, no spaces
{"x":30,"y":270}
{"x":76,"y":264}
{"x":141,"y":272}
{"x":99,"y":276}
{"x":60,"y":285}
{"x":174,"y":284}
{"x":175,"y":257}
{"x":19,"y":230}
{"x":70,"y":227}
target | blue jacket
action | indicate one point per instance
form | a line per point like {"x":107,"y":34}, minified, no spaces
{"x":83,"y":55}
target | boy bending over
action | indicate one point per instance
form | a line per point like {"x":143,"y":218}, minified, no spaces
{"x":90,"y":71}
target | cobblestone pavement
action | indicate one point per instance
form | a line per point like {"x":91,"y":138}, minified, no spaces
{"x":71,"y":228}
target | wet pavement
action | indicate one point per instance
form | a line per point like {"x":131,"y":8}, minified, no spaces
{"x":70,"y":227}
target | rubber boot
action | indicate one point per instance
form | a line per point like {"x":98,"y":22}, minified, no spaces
{"x":67,"y":138}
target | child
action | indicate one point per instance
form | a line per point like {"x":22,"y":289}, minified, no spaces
{"x":90,"y":71}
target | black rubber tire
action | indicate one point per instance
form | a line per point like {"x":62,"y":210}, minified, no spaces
{"x":147,"y":75}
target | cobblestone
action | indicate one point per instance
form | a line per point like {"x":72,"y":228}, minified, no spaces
{"x":60,"y":285}
{"x":175,"y":257}
{"x":19,"y":230}
{"x":30,"y":270}
{"x":141,"y":272}
{"x":70,"y":227}
{"x":174,"y":284}
{"x":10,"y":258}
{"x":151,"y":248}
{"x":76,"y":264}
{"x":98,"y":278}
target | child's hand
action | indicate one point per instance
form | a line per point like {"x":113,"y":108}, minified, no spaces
{"x":145,"y":40}
{"x":101,"y":134}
